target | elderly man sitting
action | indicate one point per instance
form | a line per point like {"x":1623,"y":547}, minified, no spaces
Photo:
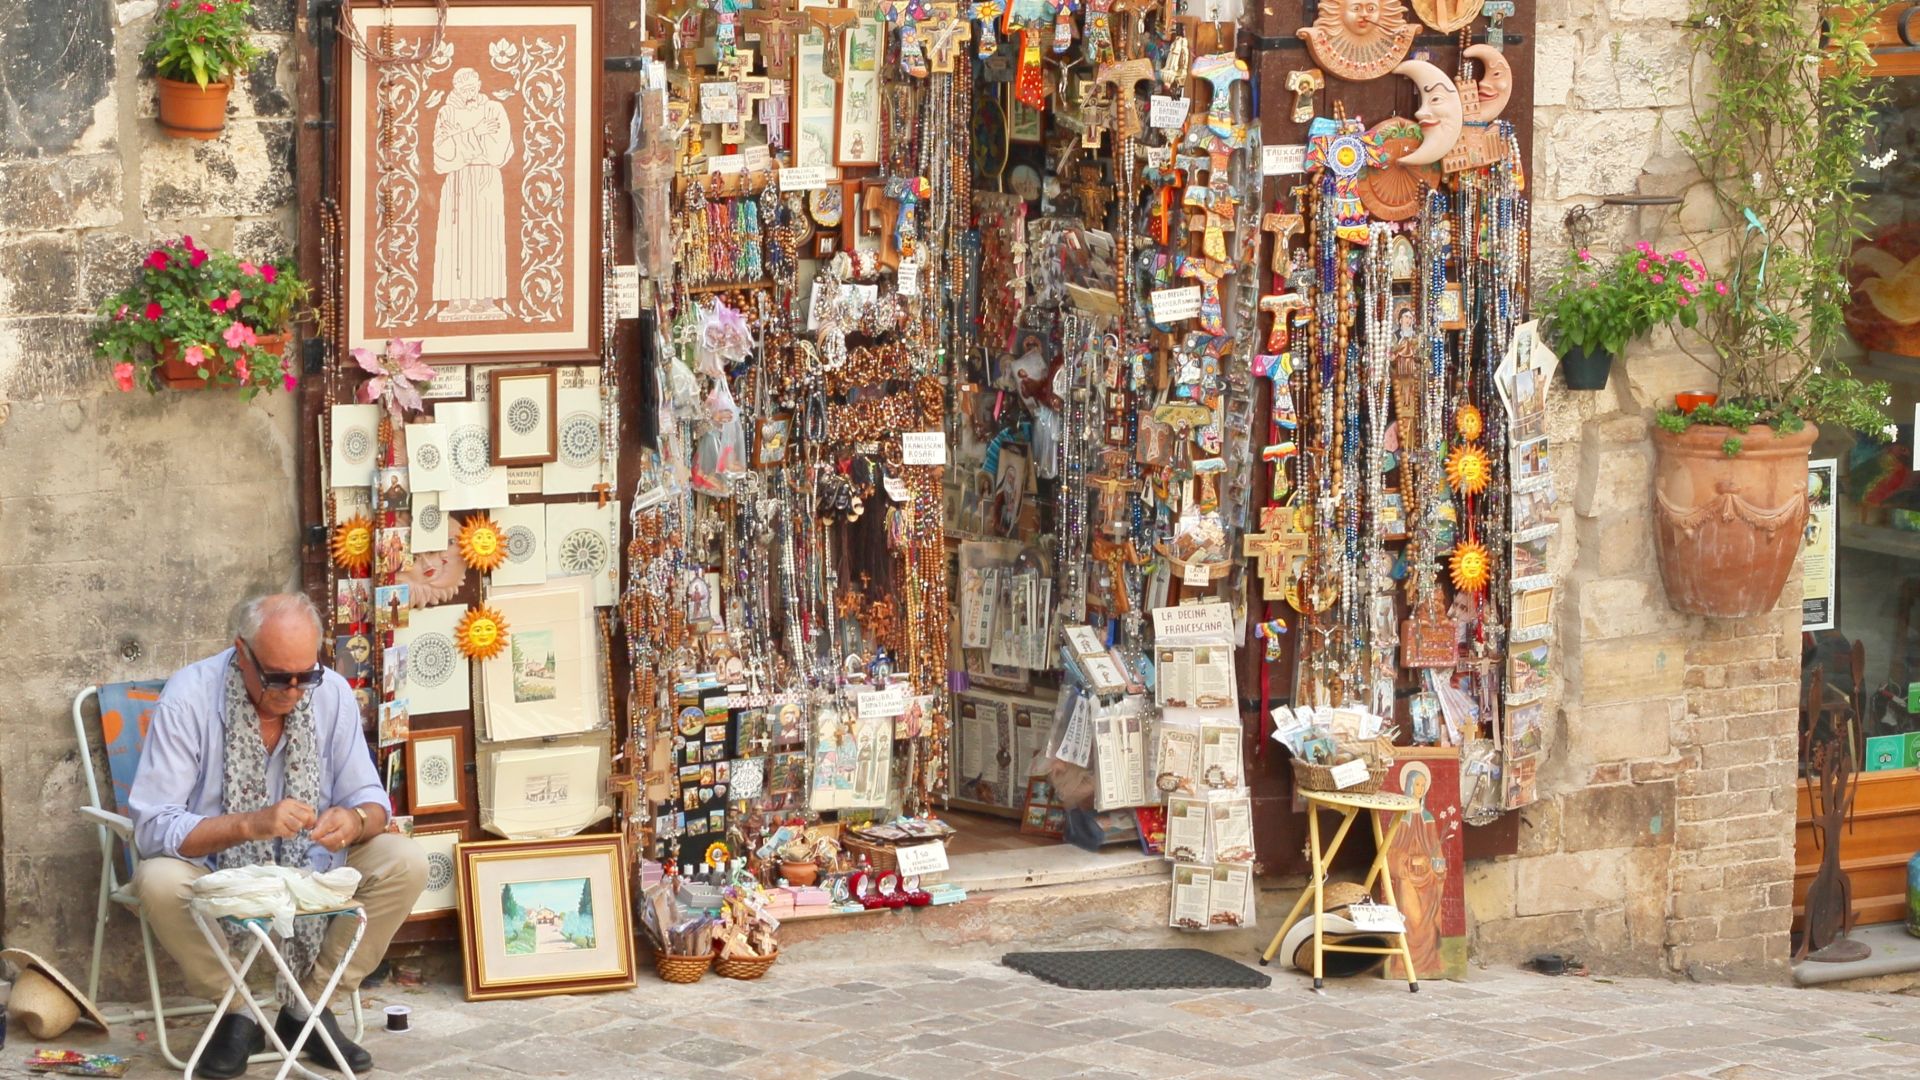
{"x":255,"y":757}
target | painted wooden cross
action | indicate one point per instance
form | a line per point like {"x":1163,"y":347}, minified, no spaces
{"x":777,"y":26}
{"x":1276,"y":545}
{"x":1219,"y":202}
{"x":1497,"y":11}
{"x":1304,"y":85}
{"x":1095,"y":193}
{"x":986,"y":13}
{"x":1220,"y":71}
{"x":947,"y":35}
{"x":1283,"y":227}
{"x":1096,"y":114}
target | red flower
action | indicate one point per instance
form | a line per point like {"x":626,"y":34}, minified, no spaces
{"x":196,"y":258}
{"x":173,"y":5}
{"x":123,"y":376}
{"x":269,"y":273}
{"x":207,"y":8}
{"x":157,"y":260}
{"x":218,"y":304}
{"x":154,"y":311}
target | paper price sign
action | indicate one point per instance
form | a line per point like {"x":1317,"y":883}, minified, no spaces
{"x":1168,"y":112}
{"x":812,"y":178}
{"x":881,"y":704}
{"x":626,"y":291}
{"x":1172,"y":305}
{"x":907,"y":278}
{"x":1282,"y":160}
{"x":1348,"y":773}
{"x":719,"y":104}
{"x":923,"y":448}
{"x":1197,"y":574}
{"x":1376,"y":918}
{"x":921,"y":859}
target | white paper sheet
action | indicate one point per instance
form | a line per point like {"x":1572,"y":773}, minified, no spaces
{"x":355,"y":445}
{"x":427,"y":457}
{"x":577,"y":468}
{"x":439,"y":679}
{"x":475,"y":482}
{"x":583,"y":540}
{"x":547,"y":680}
{"x":525,"y":528}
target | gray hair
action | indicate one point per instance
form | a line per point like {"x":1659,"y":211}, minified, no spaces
{"x":252,"y":615}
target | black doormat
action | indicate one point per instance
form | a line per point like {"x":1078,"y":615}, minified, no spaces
{"x":1137,"y":969}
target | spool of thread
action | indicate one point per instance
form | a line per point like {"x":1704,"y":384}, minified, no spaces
{"x":398,"y":1017}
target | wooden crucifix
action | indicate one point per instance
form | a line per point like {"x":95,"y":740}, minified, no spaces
{"x":947,"y":34}
{"x":777,"y":26}
{"x":1095,"y":193}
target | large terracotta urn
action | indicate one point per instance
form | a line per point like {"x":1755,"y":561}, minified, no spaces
{"x":1727,"y":527}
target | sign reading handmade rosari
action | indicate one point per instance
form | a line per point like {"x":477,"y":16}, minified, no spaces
{"x":470,"y":186}
{"x":1428,"y":860}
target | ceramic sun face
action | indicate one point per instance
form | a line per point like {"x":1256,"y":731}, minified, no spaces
{"x":1359,"y":39}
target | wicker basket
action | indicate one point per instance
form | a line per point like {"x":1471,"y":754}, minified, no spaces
{"x":681,"y":969}
{"x":744,"y":967}
{"x":1308,"y":776}
{"x":880,"y":857}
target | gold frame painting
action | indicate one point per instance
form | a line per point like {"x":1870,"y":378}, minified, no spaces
{"x":542,"y":917}
{"x":470,"y":193}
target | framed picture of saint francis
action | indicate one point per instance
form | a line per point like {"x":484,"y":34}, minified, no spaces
{"x":471,"y":199}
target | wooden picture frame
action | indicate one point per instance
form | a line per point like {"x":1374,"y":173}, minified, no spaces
{"x":1025,"y":124}
{"x":446,"y":792}
{"x":813,"y":108}
{"x":437,"y":256}
{"x":856,"y":114}
{"x":772,"y":439}
{"x":542,"y":917}
{"x":442,"y":892}
{"x":521,"y":408}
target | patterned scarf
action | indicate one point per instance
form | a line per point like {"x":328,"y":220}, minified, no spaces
{"x":244,"y":790}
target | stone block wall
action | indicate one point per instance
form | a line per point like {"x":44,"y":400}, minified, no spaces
{"x":129,"y":524}
{"x":1663,"y":841}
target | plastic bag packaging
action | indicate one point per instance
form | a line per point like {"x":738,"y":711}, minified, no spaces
{"x":273,"y":892}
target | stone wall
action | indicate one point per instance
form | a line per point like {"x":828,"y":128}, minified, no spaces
{"x":129,"y":524}
{"x":1663,"y":840}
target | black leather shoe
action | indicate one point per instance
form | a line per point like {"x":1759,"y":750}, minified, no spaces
{"x":235,"y":1039}
{"x":358,"y":1059}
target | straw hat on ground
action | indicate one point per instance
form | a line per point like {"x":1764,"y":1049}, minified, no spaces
{"x":1297,"y":944}
{"x":43,"y":999}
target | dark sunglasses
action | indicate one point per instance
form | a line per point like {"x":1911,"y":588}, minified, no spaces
{"x":284,"y":680}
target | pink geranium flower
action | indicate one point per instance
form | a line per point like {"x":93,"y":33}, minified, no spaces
{"x":123,"y":375}
{"x":288,"y":379}
{"x":241,"y":368}
{"x":268,"y":273}
{"x":195,"y":355}
{"x":249,"y":269}
{"x":238,"y":335}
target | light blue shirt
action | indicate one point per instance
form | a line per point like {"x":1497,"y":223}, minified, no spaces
{"x":180,"y":781}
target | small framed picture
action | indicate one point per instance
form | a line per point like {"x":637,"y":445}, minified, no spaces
{"x":770,"y":448}
{"x":442,"y":845}
{"x":545,"y":917}
{"x":523,"y":401}
{"x":436,"y":766}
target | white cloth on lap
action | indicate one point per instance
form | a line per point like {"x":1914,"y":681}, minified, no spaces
{"x":273,"y":892}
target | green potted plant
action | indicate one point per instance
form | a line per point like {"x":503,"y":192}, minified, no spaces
{"x":198,"y":318}
{"x":1780,"y":129}
{"x":197,"y":47}
{"x":1596,"y":307}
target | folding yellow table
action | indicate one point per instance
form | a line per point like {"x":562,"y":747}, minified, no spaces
{"x":1395,"y":808}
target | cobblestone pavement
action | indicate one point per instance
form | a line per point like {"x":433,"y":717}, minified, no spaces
{"x":978,"y":1021}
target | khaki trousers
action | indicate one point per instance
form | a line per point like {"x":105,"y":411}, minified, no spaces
{"x":393,"y":870}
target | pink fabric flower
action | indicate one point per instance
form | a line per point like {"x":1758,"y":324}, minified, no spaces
{"x":395,"y":370}
{"x":195,"y":355}
{"x":123,"y":375}
{"x":158,"y":260}
{"x":238,"y":335}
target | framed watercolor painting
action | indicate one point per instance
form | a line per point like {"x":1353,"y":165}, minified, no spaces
{"x":471,"y":190}
{"x":545,"y":917}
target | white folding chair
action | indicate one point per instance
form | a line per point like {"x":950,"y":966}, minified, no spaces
{"x":113,"y":825}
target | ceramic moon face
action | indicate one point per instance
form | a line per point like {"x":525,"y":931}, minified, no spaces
{"x":1440,"y":113}
{"x":1359,"y":39}
{"x":1496,"y":81}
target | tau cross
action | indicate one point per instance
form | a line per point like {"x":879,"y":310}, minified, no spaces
{"x":1496,"y":11}
{"x":985,"y":12}
{"x":1219,"y":202}
{"x":1126,"y":77}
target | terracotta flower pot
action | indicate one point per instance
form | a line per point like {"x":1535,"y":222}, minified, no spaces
{"x":189,"y":112}
{"x":175,"y":373}
{"x":800,"y":873}
{"x":1727,"y":528}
